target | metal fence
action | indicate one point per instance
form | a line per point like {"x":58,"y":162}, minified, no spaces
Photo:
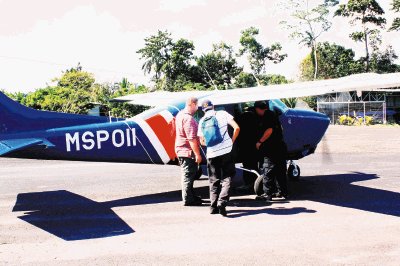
{"x":365,"y":112}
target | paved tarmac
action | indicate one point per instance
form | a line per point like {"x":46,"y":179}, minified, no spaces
{"x":344,"y":210}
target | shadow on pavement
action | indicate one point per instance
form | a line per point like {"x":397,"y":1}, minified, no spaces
{"x":73,"y":217}
{"x":271,"y":211}
{"x":338,"y":190}
{"x":70,"y":216}
{"x":162,"y":197}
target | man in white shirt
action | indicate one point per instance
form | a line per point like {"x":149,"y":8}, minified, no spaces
{"x":220,"y":164}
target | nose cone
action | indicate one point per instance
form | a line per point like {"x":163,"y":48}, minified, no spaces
{"x":321,"y":123}
{"x":303,"y":130}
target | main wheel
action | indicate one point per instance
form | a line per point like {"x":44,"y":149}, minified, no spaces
{"x":293,"y":172}
{"x":258,"y":186}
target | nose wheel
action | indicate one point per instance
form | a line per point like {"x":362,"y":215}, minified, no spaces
{"x":293,"y":171}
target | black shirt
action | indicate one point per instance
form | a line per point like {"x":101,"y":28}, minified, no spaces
{"x":274,"y":145}
{"x":248,"y":136}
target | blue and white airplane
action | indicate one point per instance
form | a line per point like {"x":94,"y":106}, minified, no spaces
{"x":149,"y":137}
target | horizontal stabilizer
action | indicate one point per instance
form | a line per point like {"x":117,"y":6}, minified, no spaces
{"x":10,"y":145}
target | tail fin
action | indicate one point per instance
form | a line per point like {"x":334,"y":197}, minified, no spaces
{"x":15,"y":118}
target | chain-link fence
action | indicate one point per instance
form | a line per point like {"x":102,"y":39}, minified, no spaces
{"x":373,"y":112}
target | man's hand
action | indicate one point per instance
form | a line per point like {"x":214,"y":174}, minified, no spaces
{"x":198,"y":158}
{"x":236,"y":130}
{"x":194,"y":144}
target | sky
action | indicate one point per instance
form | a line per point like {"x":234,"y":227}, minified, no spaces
{"x":40,"y":39}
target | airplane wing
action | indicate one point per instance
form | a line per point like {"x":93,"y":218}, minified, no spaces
{"x":357,"y":82}
{"x":159,"y":98}
{"x":10,"y":145}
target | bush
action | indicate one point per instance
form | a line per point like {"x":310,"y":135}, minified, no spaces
{"x":345,"y":120}
{"x":369,"y":120}
{"x":355,"y":121}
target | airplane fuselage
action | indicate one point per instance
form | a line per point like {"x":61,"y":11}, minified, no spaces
{"x":149,"y":137}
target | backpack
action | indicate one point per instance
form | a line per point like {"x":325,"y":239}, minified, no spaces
{"x":211,"y":132}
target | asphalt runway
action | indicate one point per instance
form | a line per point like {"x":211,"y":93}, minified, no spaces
{"x":344,"y":210}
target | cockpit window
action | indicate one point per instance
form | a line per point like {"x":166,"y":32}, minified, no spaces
{"x":236,"y":109}
{"x":277,"y":106}
{"x":199,"y":113}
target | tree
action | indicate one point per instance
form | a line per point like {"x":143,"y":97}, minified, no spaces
{"x":272,"y":79}
{"x":124,"y":83}
{"x":396,"y":21}
{"x":181,"y":55}
{"x":169,"y":60}
{"x":73,"y":92}
{"x":59,"y":99}
{"x":383,"y":62}
{"x":309,"y":23}
{"x":334,"y":61}
{"x":124,"y":110}
{"x":245,"y":80}
{"x":76,"y":92}
{"x":219,"y":67}
{"x":156,"y":53}
{"x":76,"y":78}
{"x":368,"y":14}
{"x":257,"y":54}
{"x":16,"y":96}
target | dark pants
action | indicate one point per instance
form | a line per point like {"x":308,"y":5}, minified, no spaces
{"x":250,"y":163}
{"x":221,"y":169}
{"x":189,"y":169}
{"x":274,"y":175}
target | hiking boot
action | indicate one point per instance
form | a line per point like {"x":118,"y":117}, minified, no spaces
{"x":285,"y":196}
{"x":222,"y":211}
{"x":193,"y":203}
{"x":264,"y":197}
{"x":214,"y":210}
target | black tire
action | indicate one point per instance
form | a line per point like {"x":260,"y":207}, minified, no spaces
{"x":293,"y":172}
{"x":258,"y":186}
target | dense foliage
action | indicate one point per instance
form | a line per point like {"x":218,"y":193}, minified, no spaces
{"x":77,"y":92}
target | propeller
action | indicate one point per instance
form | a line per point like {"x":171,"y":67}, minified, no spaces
{"x":326,"y":153}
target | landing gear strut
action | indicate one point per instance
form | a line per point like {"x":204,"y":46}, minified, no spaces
{"x":293,"y":171}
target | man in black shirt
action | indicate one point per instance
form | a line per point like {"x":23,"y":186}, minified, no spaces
{"x":248,"y":153}
{"x":272,"y":150}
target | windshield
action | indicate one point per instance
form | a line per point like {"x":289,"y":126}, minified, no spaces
{"x":278,"y":106}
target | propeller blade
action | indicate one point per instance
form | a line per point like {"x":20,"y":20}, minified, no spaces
{"x":326,"y":154}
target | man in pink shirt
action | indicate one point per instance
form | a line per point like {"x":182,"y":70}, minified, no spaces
{"x":188,"y":150}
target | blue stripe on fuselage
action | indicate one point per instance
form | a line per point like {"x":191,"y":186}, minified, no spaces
{"x":105,"y":151}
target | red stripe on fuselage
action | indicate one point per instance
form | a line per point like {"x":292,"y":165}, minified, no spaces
{"x":165,"y":132}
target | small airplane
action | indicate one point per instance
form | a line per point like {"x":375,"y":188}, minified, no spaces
{"x":149,"y":137}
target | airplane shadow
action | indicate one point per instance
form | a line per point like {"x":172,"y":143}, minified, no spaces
{"x":162,"y":197}
{"x":70,"y":216}
{"x":338,"y":190}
